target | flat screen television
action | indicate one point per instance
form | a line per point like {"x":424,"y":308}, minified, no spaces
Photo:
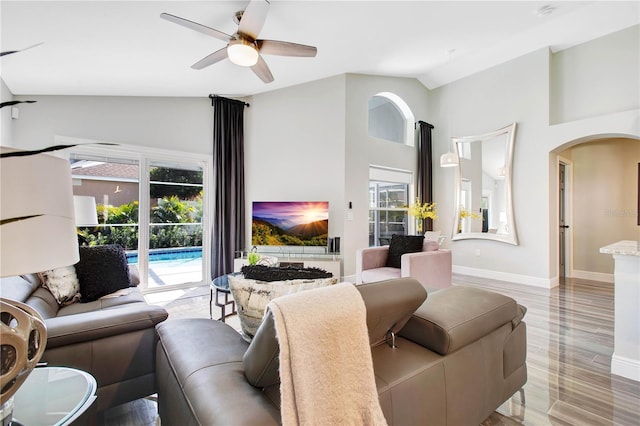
{"x":290,"y":223}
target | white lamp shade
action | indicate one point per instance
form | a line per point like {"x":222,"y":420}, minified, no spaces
{"x":84,"y":208}
{"x":38,"y":231}
{"x":242,"y":52}
{"x":450,"y":159}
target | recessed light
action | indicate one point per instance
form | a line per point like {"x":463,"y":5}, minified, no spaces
{"x":545,"y":11}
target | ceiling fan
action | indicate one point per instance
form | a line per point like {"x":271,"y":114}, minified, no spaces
{"x":244,"y":48}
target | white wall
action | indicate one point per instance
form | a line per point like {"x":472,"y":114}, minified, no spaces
{"x":361,"y":150}
{"x":604,"y":69}
{"x":5,"y":116}
{"x":516,"y":91}
{"x":311,"y":142}
{"x":294,"y":148}
{"x":522,"y":90}
{"x":169,"y":123}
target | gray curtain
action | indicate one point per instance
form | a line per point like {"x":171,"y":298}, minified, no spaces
{"x":228,"y":184}
{"x":425,"y":168}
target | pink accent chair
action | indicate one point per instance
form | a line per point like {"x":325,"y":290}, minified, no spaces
{"x":431,"y":267}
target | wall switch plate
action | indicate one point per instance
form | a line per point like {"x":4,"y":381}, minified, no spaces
{"x":478,"y":252}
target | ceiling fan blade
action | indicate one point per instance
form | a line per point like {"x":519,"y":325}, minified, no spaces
{"x":253,"y":18}
{"x":262,"y":70}
{"x":285,"y":48}
{"x":11,"y":52}
{"x":216,"y":56}
{"x":196,"y":27}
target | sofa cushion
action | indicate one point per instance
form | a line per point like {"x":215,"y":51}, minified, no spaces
{"x":62,"y":283}
{"x":18,"y":287}
{"x":389,"y":306}
{"x":131,"y":296}
{"x":261,"y":360}
{"x":102,"y":270}
{"x":432,"y":236}
{"x":430,"y":245}
{"x":457,"y":316}
{"x":402,"y":244}
{"x":380,"y":274}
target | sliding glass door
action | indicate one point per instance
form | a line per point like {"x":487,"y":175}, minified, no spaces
{"x":152,"y":206}
{"x":175,"y":224}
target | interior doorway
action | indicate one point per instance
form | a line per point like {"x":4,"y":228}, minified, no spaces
{"x":564,"y":219}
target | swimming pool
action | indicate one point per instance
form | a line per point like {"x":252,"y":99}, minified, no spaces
{"x":168,"y":254}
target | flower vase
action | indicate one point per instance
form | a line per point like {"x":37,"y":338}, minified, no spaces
{"x":419,"y":226}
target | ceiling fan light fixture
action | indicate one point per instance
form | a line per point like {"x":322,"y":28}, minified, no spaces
{"x":242,"y":52}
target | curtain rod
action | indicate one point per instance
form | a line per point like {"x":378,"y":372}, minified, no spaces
{"x":422,"y":122}
{"x":212,"y":97}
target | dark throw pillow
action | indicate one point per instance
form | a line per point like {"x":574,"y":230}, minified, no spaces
{"x":101,"y":271}
{"x":401,"y":244}
{"x":272,"y":273}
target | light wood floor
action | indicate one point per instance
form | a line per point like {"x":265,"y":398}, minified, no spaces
{"x":569,"y":348}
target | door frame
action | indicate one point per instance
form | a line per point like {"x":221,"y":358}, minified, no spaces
{"x":568,"y":206}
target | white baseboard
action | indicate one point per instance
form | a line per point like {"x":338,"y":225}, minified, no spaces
{"x":349,"y":279}
{"x":593,"y":276}
{"x":625,"y":367}
{"x":506,"y":276}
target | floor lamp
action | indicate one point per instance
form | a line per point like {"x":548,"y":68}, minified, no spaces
{"x":37,"y":233}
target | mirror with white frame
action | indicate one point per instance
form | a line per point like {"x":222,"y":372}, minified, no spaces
{"x":484,"y":207}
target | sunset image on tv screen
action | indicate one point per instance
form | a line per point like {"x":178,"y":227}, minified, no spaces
{"x":290,"y":223}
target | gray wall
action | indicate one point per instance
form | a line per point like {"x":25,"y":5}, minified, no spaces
{"x":183,"y":124}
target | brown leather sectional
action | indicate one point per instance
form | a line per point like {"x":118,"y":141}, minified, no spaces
{"x":113,"y":338}
{"x":449,"y":360}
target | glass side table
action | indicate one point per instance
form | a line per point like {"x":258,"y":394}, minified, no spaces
{"x":221,"y":286}
{"x":54,"y":396}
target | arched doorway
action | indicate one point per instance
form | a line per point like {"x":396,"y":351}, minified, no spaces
{"x":596,"y":193}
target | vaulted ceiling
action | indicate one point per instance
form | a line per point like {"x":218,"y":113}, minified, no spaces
{"x":123,"y":48}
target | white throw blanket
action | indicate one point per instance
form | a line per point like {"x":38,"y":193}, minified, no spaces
{"x":326,"y":371}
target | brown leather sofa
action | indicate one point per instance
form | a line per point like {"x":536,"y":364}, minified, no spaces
{"x":113,"y":338}
{"x":451,"y":360}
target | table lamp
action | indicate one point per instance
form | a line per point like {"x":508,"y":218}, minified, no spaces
{"x":84,"y":207}
{"x":37,"y":233}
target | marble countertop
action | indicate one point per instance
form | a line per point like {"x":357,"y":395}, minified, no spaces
{"x":626,"y":247}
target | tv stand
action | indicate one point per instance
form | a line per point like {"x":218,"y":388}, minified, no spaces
{"x":330,"y":262}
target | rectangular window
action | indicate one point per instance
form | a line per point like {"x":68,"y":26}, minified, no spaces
{"x":389,"y":195}
{"x":168,"y":241}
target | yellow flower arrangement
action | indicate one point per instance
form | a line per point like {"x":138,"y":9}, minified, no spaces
{"x":422,"y":211}
{"x":464,"y":213}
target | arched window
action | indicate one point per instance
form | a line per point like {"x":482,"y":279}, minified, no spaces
{"x":391,"y":119}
